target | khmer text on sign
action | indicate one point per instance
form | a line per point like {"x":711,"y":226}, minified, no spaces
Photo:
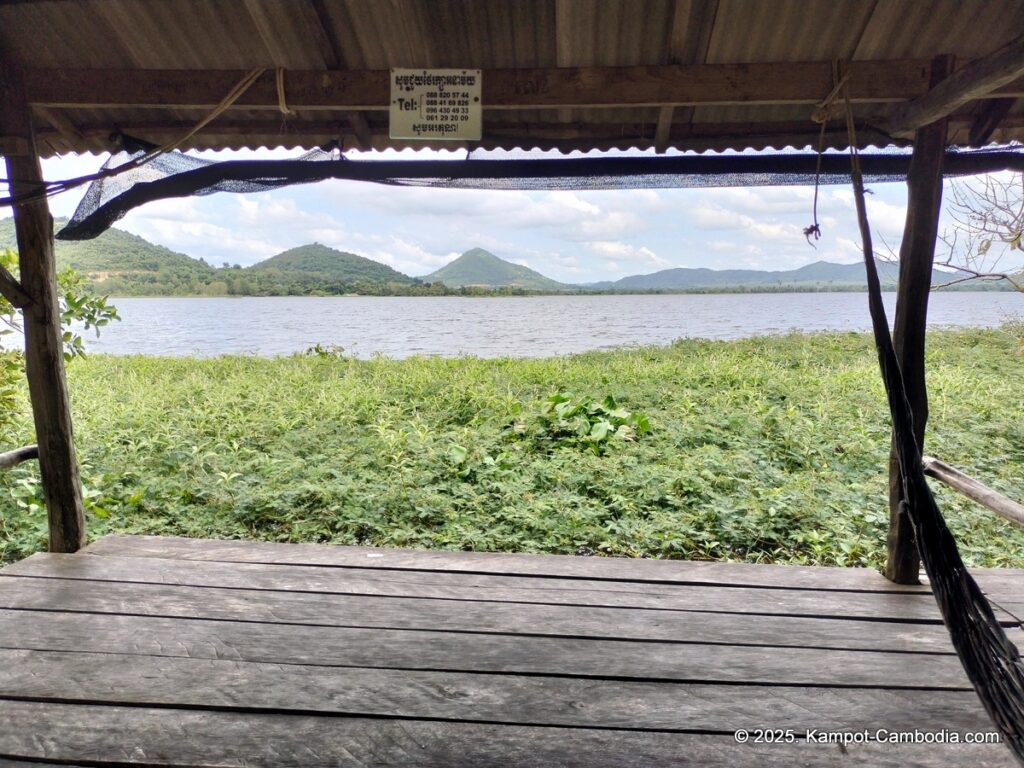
{"x":436,"y":104}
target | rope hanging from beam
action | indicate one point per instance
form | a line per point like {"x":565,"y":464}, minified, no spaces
{"x":49,"y":189}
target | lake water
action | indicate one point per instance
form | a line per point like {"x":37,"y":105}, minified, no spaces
{"x":492,"y":327}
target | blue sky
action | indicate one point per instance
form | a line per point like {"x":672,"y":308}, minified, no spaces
{"x":570,"y":236}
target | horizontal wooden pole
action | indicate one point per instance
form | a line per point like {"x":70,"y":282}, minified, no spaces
{"x":977,"y":79}
{"x":974,"y":490}
{"x":547,"y":88}
{"x":545,"y":133}
{"x":17,"y":456}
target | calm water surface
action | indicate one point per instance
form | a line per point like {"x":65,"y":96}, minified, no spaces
{"x":493,"y":327}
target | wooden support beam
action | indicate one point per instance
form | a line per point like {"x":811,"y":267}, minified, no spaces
{"x":12,"y":145}
{"x":13,"y":458}
{"x":12,"y":290}
{"x":44,"y":346}
{"x":61,"y":124}
{"x":976,"y":80}
{"x":917,"y":254}
{"x":676,"y":43}
{"x":564,"y":29}
{"x":326,"y":39}
{"x":988,"y":120}
{"x":692,"y":22}
{"x":331,"y":50}
{"x":270,"y":36}
{"x":545,"y":88}
{"x":683,"y":135}
{"x":974,"y":490}
{"x":361,"y":130}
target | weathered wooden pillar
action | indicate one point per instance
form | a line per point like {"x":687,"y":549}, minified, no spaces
{"x":917,"y":255}
{"x":44,"y":349}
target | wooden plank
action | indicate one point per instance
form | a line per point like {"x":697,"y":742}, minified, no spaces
{"x":917,"y":254}
{"x":988,"y":120}
{"x":463,"y":586}
{"x":116,"y":679}
{"x":169,"y":737}
{"x":612,"y":568}
{"x":41,"y":324}
{"x":1000,"y":583}
{"x":974,"y":490}
{"x":975,"y":80}
{"x":693,"y":22}
{"x":297,"y":608}
{"x":61,"y":124}
{"x":440,"y":650}
{"x":542,"y":88}
{"x":1013,"y":607}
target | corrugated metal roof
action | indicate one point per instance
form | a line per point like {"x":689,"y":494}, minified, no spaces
{"x":379,"y":34}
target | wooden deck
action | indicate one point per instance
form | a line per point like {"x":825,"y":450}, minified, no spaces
{"x":166,"y":651}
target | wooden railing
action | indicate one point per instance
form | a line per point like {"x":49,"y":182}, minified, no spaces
{"x":974,"y":490}
{"x":15,"y":457}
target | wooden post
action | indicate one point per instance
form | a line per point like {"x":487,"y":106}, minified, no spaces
{"x":44,"y":347}
{"x":917,"y":254}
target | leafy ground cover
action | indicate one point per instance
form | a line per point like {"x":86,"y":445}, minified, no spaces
{"x":763,"y":450}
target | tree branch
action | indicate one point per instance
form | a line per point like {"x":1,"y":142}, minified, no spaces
{"x":974,"y":274}
{"x":12,"y":290}
{"x":17,"y":456}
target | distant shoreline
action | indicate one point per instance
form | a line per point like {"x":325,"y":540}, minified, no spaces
{"x":504,"y":294}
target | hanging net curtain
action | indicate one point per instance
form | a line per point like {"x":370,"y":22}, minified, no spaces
{"x":176,"y":174}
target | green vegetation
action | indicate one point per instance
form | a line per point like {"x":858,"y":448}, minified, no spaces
{"x":766,"y":450}
{"x":76,"y":305}
{"x":483,"y":269}
{"x":121,"y":264}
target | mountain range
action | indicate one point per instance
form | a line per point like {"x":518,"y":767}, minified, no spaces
{"x":120,"y":263}
{"x":820,"y":274}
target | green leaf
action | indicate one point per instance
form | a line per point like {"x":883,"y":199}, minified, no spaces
{"x":600,"y":430}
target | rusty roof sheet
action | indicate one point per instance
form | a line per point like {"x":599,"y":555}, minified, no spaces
{"x":379,"y":34}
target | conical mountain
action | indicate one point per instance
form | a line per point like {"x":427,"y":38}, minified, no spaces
{"x":480,"y":268}
{"x":330,"y":263}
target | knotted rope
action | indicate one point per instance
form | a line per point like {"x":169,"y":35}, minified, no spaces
{"x":821,"y":115}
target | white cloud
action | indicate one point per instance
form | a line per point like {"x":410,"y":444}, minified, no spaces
{"x":763,"y":200}
{"x":716,"y":218}
{"x":614,"y":252}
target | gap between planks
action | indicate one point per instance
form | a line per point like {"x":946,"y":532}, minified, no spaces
{"x":224,"y":685}
{"x":187,"y":738}
{"x":499,"y":654}
{"x":894,"y":607}
{"x":697,"y":573}
{"x":28,"y":593}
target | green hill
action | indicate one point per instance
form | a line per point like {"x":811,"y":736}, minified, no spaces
{"x":118,"y":262}
{"x":332,"y":265}
{"x":482,"y":269}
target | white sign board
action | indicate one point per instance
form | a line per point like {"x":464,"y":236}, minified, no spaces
{"x":436,"y":104}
